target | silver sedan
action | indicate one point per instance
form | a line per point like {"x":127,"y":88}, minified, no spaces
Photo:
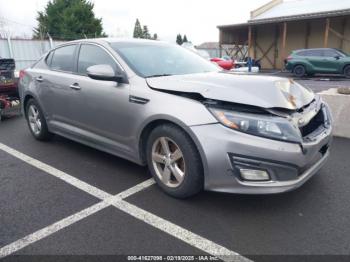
{"x":195,"y":126}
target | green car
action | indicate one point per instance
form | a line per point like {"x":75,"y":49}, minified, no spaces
{"x":319,"y":60}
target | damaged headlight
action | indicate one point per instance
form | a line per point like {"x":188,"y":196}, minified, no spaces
{"x":259,"y":125}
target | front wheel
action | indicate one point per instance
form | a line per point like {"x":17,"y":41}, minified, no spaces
{"x":174,"y":161}
{"x":36,"y":121}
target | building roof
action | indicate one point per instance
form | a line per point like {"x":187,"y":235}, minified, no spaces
{"x":302,"y":8}
{"x":208,"y":45}
{"x":289,"y":10}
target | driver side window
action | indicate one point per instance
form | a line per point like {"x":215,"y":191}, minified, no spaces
{"x":90,"y":55}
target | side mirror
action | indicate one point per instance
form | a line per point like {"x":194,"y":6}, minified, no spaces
{"x":105,"y":73}
{"x":337,"y":57}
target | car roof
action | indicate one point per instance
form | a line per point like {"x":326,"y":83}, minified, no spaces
{"x":314,"y":49}
{"x":118,"y":40}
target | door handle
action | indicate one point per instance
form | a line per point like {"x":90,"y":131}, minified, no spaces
{"x":39,"y":79}
{"x":75,"y":86}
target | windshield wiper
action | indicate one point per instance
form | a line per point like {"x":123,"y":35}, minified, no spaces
{"x":159,"y":75}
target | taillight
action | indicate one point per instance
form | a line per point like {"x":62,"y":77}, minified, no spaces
{"x":289,"y":58}
{"x":22,"y":73}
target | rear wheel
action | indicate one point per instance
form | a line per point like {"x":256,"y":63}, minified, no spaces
{"x":347,"y":71}
{"x":299,"y":71}
{"x":174,"y":161}
{"x":36,"y":121}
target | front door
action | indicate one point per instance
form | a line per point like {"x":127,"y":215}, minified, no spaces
{"x":100,"y":109}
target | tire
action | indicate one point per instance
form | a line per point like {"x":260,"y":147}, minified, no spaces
{"x":299,"y":71}
{"x":35,"y":117}
{"x":191,"y":181}
{"x":347,"y":71}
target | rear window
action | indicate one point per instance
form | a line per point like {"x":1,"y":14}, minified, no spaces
{"x":310,"y":53}
{"x":302,"y":53}
{"x":63,"y":58}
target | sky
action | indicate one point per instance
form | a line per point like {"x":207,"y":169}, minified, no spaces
{"x":198,"y":19}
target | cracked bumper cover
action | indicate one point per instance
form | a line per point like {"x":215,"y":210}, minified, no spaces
{"x":289,"y":165}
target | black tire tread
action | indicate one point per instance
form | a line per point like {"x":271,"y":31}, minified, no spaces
{"x":297,"y":74}
{"x":193,"y":182}
{"x":44,"y":135}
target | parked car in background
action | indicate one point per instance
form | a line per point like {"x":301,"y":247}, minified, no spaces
{"x":201,"y":52}
{"x":8,"y":82}
{"x":318,"y":61}
{"x":195,"y":126}
{"x":223,"y":63}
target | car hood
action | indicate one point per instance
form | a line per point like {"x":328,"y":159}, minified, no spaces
{"x":255,"y":90}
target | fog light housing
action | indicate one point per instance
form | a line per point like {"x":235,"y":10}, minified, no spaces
{"x":254,"y":175}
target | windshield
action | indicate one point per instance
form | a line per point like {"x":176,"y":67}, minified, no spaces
{"x":342,"y":52}
{"x":160,"y":59}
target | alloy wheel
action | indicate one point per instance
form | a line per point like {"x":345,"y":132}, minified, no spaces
{"x":299,"y":71}
{"x":168,"y":162}
{"x":34,"y":119}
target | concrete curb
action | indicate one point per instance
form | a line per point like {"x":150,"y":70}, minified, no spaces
{"x":340,"y":108}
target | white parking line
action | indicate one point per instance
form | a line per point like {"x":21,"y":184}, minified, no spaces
{"x":53,"y":228}
{"x":178,"y":232}
{"x":117,"y":201}
{"x":49,"y":230}
{"x":56,"y":173}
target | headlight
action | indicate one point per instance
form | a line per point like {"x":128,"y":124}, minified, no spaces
{"x":259,"y":125}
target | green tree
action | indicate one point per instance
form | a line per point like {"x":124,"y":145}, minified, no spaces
{"x":138,"y":33}
{"x":184,"y":40}
{"x":179,"y":39}
{"x":145,"y":32}
{"x":69,"y":19}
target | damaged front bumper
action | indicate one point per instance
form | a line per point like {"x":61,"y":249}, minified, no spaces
{"x":226,"y":152}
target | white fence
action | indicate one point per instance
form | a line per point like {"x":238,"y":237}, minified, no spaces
{"x":25,"y":51}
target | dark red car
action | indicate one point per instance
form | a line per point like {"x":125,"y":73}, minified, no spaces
{"x":8,"y":82}
{"x":225,"y":64}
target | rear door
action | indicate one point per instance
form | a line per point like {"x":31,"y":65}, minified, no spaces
{"x":316,"y":59}
{"x":55,"y":84}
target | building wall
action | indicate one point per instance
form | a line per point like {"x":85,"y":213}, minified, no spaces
{"x":297,"y":38}
{"x":300,"y":34}
{"x":264,"y":41}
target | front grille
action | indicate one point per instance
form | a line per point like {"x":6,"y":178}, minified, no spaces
{"x":315,"y":123}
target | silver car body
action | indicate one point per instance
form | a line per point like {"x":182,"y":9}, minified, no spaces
{"x":115,"y":118}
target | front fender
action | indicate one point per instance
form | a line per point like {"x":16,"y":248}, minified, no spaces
{"x":170,"y":119}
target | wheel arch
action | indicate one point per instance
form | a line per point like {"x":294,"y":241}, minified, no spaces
{"x":26,"y":98}
{"x":346,"y":65}
{"x":151,"y":125}
{"x":300,"y":64}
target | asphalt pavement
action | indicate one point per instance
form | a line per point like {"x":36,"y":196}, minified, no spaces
{"x":57,"y":199}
